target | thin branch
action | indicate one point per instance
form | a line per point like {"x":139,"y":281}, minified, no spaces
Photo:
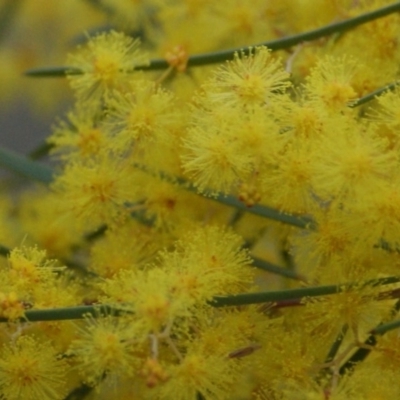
{"x":275,"y":269}
{"x":221,"y":56}
{"x":271,"y":296}
{"x":371,"y":96}
{"x":25,"y":167}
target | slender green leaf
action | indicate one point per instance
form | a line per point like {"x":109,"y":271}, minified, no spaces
{"x":275,"y":269}
{"x":271,"y":296}
{"x":53,"y":72}
{"x":266,"y":212}
{"x":360,"y":355}
{"x":22,"y":165}
{"x":381,"y":329}
{"x":40,"y":151}
{"x":79,"y":312}
{"x":363,"y":352}
{"x":371,"y":96}
{"x":67,"y":313}
{"x":260,"y":210}
{"x":4,"y":251}
{"x":336,"y":344}
{"x":80,"y":392}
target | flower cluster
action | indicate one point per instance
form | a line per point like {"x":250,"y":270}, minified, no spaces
{"x":211,"y":232}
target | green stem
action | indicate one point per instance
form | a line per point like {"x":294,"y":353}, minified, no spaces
{"x":275,"y":269}
{"x":4,"y":251}
{"x":40,"y":151}
{"x":271,"y":296}
{"x":336,"y":344}
{"x":360,"y":355}
{"x":79,"y":312}
{"x":67,"y":313}
{"x":221,"y":56}
{"x":23,"y":166}
{"x":80,"y":392}
{"x":363,"y":352}
{"x":371,"y":96}
{"x":263,"y":211}
{"x":260,"y":210}
{"x":381,"y":329}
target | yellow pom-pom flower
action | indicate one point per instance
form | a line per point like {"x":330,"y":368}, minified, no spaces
{"x":107,"y":62}
{"x":31,"y":370}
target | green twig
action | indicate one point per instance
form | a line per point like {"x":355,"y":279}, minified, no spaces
{"x":264,"y":211}
{"x":40,"y":151}
{"x":363,"y":352}
{"x":42,"y":173}
{"x":303,"y":222}
{"x":371,"y":96}
{"x":271,"y":296}
{"x":80,"y":392}
{"x":79,"y":312}
{"x":381,"y":329}
{"x":23,"y":166}
{"x":68,"y":313}
{"x":336,"y":344}
{"x":4,"y":251}
{"x":275,"y":269}
{"x":360,"y":355}
{"x":221,"y":56}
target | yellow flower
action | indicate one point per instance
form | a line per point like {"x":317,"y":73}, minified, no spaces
{"x":30,"y":268}
{"x":107,"y":62}
{"x":330,"y":84}
{"x":213,"y":376}
{"x":351,"y":164}
{"x":31,"y":370}
{"x":79,"y":136}
{"x":143,"y":115}
{"x":248,"y":80}
{"x":104,"y":349}
{"x":96,"y":191}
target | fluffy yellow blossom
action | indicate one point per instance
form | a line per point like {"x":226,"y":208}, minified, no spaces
{"x":11,"y":307}
{"x":212,"y":262}
{"x":31,"y":370}
{"x":248,"y":80}
{"x":125,"y":247}
{"x":96,"y":191}
{"x":329,"y":84}
{"x":107,"y":62}
{"x":293,"y":166}
{"x":353,"y":163}
{"x":224,"y":149}
{"x":211,"y":375}
{"x":81,"y":135}
{"x":104,"y":349}
{"x":387,"y":116}
{"x":148,"y":295}
{"x":212,"y":158}
{"x":358,"y":308}
{"x":380,"y":215}
{"x":29,"y":267}
{"x":143,"y":115}
{"x":209,"y":264}
{"x":44,"y":226}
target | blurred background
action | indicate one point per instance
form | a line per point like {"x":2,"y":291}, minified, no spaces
{"x":36,"y":33}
